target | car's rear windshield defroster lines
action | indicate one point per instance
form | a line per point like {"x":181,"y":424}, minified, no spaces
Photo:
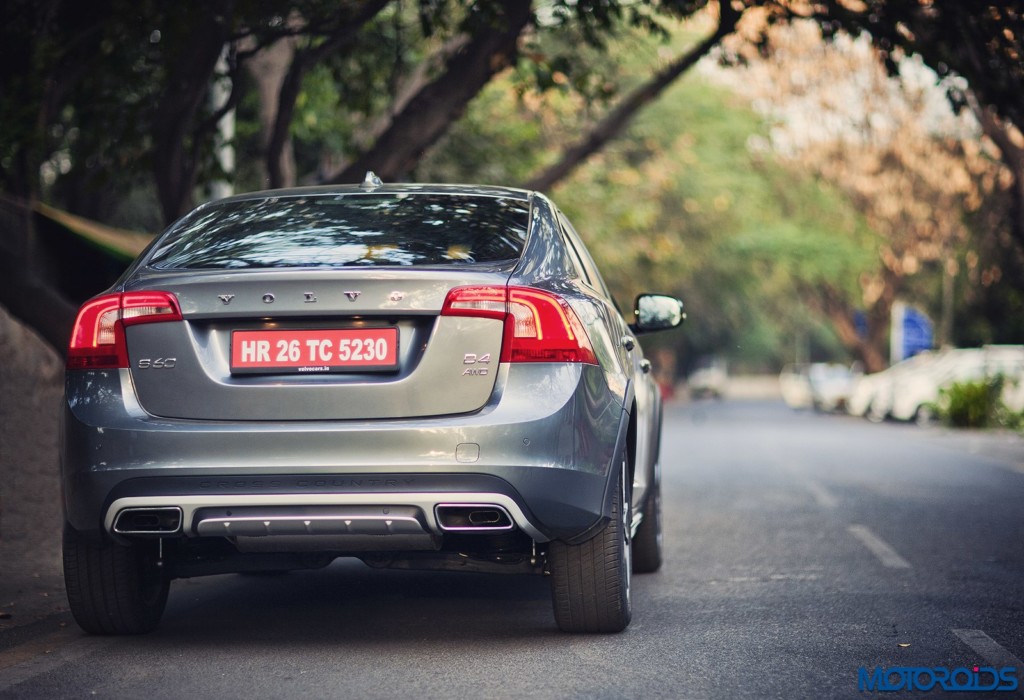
{"x":353,"y":230}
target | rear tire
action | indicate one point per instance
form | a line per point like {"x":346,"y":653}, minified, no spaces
{"x":591,"y":580}
{"x":647,"y":543}
{"x":113,"y":588}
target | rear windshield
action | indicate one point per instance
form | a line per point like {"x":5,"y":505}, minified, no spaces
{"x":347,"y":230}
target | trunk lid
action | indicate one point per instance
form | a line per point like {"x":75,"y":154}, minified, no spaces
{"x":278,"y":345}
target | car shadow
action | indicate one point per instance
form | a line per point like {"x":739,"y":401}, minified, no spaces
{"x":351,"y":603}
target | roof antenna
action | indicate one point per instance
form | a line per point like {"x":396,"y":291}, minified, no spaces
{"x":371,"y":180}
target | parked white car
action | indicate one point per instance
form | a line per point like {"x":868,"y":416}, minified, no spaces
{"x":795,"y":386}
{"x":1013,"y":393}
{"x":865,"y":387}
{"x":909,"y":390}
{"x":916,"y":392}
{"x":872,"y":394}
{"x":710,"y":380}
{"x":831,"y":384}
{"x":824,"y":386}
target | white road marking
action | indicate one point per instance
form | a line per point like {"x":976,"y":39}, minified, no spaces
{"x":822,"y":496}
{"x":886,"y":554}
{"x":988,"y":648}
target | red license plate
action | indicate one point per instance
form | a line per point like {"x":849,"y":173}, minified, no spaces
{"x":314,"y":351}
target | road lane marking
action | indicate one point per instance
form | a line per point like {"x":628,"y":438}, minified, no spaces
{"x":822,"y":496}
{"x":886,"y":554}
{"x":988,"y":648}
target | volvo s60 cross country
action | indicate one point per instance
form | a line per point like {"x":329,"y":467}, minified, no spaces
{"x":427,"y":376}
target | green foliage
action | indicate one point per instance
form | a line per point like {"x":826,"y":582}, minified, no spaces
{"x":976,"y":404}
{"x":495,"y":143}
{"x":701,"y":215}
{"x":683,"y":204}
{"x":103,"y":97}
{"x":981,"y":41}
{"x":990,"y":306}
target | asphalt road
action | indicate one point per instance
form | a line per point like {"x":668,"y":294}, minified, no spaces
{"x":800,"y":549}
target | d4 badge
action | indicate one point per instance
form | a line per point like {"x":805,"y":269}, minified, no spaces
{"x":473,"y":359}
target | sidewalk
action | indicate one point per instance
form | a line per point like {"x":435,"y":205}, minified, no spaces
{"x":31,"y":373}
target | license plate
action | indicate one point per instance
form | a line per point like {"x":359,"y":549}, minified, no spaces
{"x":314,"y":351}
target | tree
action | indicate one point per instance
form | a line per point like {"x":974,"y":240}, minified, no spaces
{"x":120,"y":83}
{"x":907,"y":163}
{"x":316,"y":45}
{"x":983,"y":43}
{"x":492,"y":35}
{"x":680,"y":203}
{"x":95,"y":92}
{"x":615,"y":121}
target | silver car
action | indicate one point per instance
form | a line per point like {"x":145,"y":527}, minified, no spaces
{"x":420,"y":376}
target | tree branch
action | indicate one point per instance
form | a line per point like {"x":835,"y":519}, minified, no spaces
{"x":186,"y":87}
{"x":432,"y":110}
{"x":615,"y":122}
{"x":1012,"y":156}
{"x":303,"y":61}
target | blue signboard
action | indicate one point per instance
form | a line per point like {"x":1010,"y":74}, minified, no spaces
{"x":918,"y":334}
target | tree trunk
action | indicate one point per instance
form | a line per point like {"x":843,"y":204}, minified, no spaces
{"x":615,"y":122}
{"x":432,"y":110}
{"x":268,"y":69}
{"x":869,"y":349}
{"x":1013,"y":157}
{"x":279,"y":161}
{"x":175,"y":136}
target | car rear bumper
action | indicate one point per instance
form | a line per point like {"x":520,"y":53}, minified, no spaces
{"x":541,"y":451}
{"x":317,"y":504}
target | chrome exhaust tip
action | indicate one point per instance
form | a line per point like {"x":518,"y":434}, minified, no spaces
{"x":148,"y":521}
{"x":473,"y":517}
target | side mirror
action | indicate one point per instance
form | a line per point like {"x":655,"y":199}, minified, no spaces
{"x":657,"y":312}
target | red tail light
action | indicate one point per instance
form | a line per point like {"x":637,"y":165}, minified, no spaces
{"x":97,"y":339}
{"x":539,"y":326}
